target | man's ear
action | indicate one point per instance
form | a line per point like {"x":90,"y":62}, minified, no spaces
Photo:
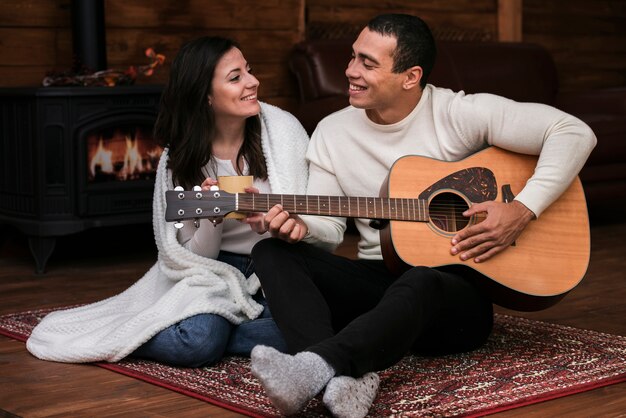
{"x":413,"y":77}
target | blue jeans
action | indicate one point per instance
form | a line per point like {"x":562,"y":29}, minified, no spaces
{"x":204,"y":339}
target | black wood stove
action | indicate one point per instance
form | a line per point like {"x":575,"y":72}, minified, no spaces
{"x":73,"y":158}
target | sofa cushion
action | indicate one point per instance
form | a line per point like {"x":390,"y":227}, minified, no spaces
{"x":320,"y":67}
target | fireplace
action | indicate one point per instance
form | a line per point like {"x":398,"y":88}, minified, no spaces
{"x":73,"y":158}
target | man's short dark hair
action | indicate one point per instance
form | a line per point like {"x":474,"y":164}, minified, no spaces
{"x":415,"y":42}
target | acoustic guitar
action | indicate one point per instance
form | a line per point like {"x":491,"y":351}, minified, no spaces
{"x":421,"y":206}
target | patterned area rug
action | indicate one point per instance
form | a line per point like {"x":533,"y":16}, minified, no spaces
{"x":524,"y":362}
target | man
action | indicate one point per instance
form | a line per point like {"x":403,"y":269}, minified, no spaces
{"x":343,"y":319}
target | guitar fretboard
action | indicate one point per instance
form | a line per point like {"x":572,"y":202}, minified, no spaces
{"x":400,"y":209}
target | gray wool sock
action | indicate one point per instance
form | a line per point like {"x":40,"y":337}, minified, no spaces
{"x":347,"y":397}
{"x":290,"y":381}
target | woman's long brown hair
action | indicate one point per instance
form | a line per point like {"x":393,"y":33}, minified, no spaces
{"x":186,"y":123}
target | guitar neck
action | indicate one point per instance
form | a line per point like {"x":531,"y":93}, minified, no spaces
{"x":401,"y":209}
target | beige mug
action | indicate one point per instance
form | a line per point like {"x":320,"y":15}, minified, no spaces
{"x":234,"y":184}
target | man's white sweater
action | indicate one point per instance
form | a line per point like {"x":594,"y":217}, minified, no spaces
{"x":351,"y":156}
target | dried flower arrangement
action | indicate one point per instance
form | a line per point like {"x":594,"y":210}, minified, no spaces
{"x":109,"y":77}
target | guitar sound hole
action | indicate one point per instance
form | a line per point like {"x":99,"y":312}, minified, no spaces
{"x":446,"y":212}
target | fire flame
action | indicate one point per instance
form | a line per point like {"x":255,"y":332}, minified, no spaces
{"x":102,"y":159}
{"x":121,"y":157}
{"x":132,"y":159}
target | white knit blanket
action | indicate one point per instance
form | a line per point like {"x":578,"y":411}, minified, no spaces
{"x":181,"y":284}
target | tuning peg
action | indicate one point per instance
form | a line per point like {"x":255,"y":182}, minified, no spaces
{"x":178,"y":225}
{"x":214,"y":188}
{"x":197,"y":188}
{"x":179,"y":188}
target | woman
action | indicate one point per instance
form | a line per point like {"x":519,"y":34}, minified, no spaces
{"x":200,"y":301}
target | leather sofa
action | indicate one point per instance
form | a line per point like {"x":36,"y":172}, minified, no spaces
{"x":520,"y":71}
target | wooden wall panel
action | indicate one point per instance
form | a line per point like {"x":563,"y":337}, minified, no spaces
{"x":265,"y":30}
{"x":34,"y":13}
{"x":23,"y":47}
{"x":128,"y":45}
{"x":392,"y":6}
{"x":510,"y":20}
{"x":470,"y":21}
{"x":31,"y":75}
{"x":464,"y":18}
{"x":35,"y":37}
{"x":587,"y":39}
{"x":244,"y":15}
{"x":266,"y":51}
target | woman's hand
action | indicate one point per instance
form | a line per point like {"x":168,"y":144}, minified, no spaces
{"x":256,"y":220}
{"x":207,"y":183}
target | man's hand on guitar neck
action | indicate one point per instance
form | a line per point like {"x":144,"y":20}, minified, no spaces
{"x":504,"y":222}
{"x":281,"y":224}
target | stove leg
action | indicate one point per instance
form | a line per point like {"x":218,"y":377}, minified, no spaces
{"x":41,"y":248}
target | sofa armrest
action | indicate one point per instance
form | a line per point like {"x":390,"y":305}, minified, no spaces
{"x":604,"y":110}
{"x":611,"y":101}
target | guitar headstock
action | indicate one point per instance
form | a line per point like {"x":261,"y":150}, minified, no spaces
{"x":186,"y":204}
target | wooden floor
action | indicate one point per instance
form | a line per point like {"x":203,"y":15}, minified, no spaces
{"x":99,"y":263}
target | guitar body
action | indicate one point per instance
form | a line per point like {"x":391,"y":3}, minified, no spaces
{"x":549,"y":258}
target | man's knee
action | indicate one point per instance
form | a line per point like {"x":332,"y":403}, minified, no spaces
{"x":420,"y":280}
{"x":275,"y":259}
{"x":266,"y":250}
